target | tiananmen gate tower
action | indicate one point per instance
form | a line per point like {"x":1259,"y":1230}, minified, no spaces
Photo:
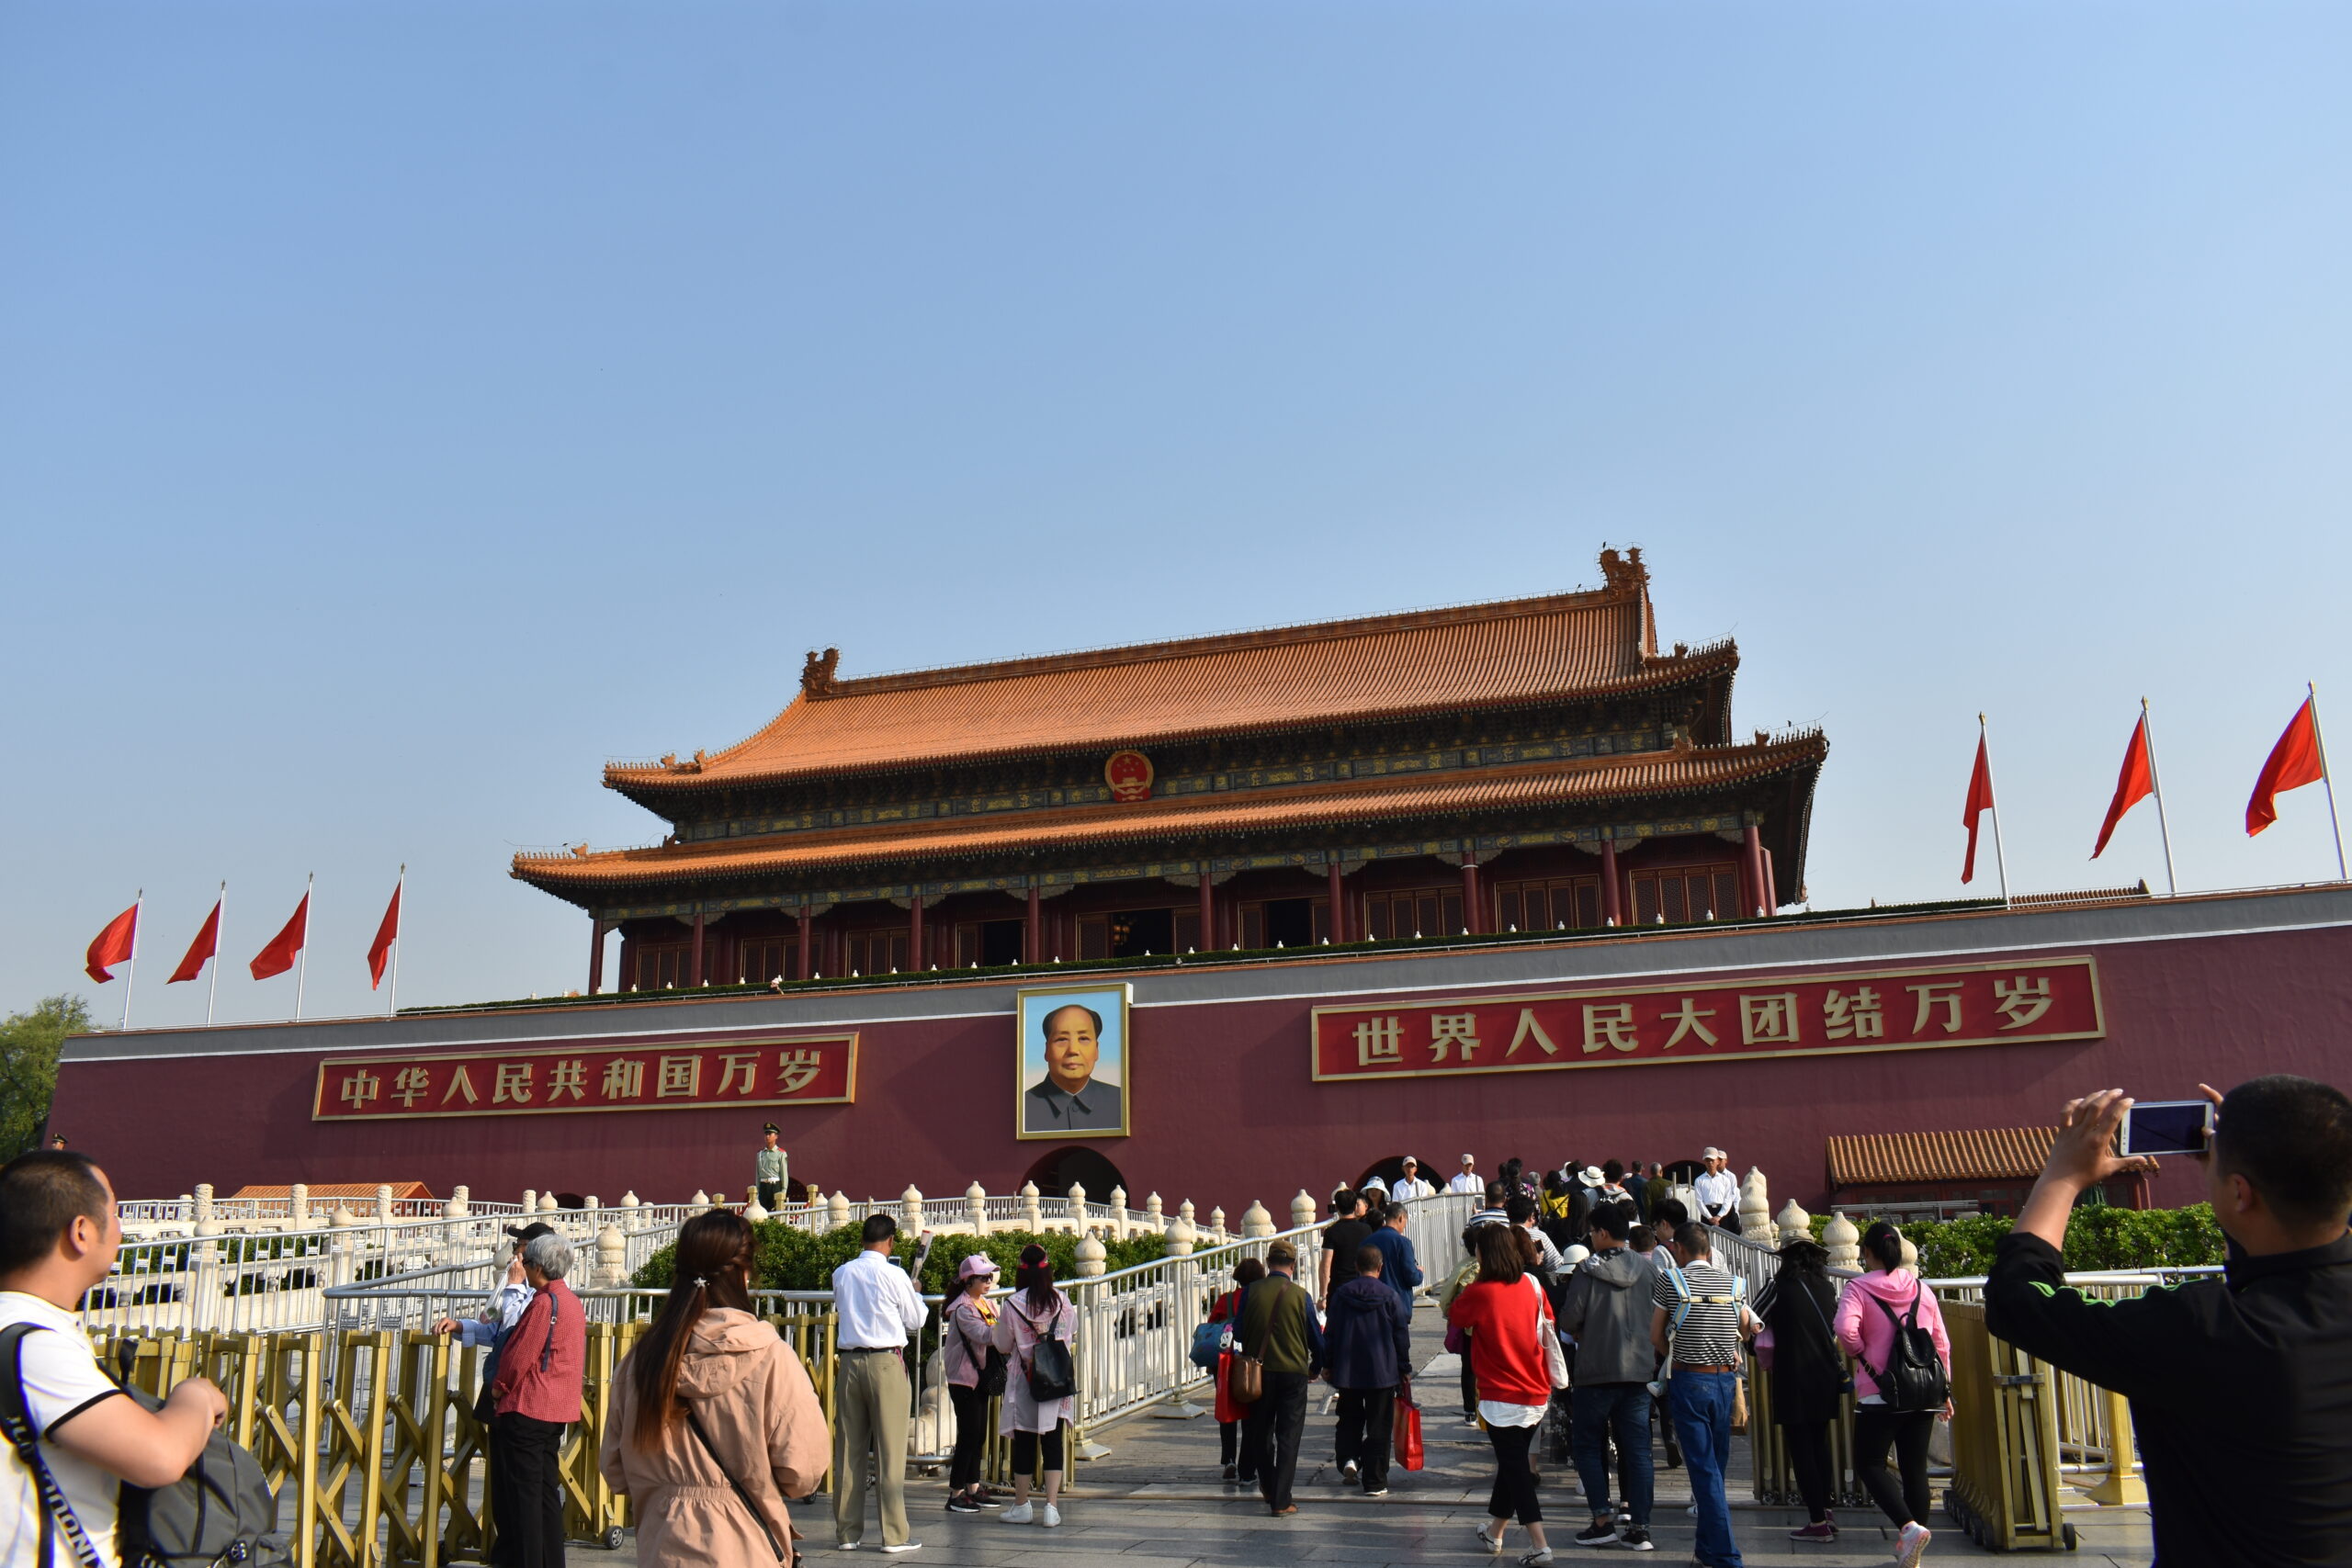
{"x":1230,"y":916}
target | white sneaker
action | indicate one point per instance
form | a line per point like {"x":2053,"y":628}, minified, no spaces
{"x":1020,"y":1515}
{"x":905,"y":1546}
{"x":1912,"y":1544}
{"x":1053,"y":1516}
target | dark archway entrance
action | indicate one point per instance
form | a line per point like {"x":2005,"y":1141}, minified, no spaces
{"x":1054,"y":1173}
{"x":1138,"y":933}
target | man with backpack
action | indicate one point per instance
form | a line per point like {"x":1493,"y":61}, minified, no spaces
{"x":77,"y":1439}
{"x":1889,"y":1322}
{"x":1698,"y":1321}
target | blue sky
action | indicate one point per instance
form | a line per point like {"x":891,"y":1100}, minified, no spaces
{"x":406,"y":408}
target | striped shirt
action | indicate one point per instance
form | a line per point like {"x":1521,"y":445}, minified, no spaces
{"x":1708,"y":1335}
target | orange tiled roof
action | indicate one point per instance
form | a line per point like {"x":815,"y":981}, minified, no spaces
{"x":1481,"y":656}
{"x":325,"y":1191}
{"x":1679,"y":771}
{"x":1989,"y":1154}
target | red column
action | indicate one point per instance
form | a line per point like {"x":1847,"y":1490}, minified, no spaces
{"x":1209,"y":913}
{"x":1471,"y":924}
{"x":1751,"y":865}
{"x":914,"y":933}
{"x":1339,"y":897}
{"x":1771,"y":889}
{"x":804,"y":960}
{"x":595,"y":955}
{"x":1034,"y":951}
{"x":1612,"y":895}
{"x":693,"y":972}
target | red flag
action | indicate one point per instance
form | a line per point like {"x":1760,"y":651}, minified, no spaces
{"x":279,"y":956}
{"x":1980,"y":800}
{"x":205,"y":945}
{"x":2293,"y":764}
{"x":113,"y":945}
{"x":388,"y":934}
{"x":2134,"y":784}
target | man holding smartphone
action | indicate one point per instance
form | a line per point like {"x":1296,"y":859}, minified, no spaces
{"x":2240,"y":1388}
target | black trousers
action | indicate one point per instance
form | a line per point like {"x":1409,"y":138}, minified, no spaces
{"x":529,"y":1503}
{"x":1469,"y":1384}
{"x":971,"y":1436}
{"x":1270,"y":1437}
{"x":1809,"y":1459}
{"x":1367,"y":1418}
{"x":1024,"y":1451}
{"x":771,"y":1194}
{"x":1232,"y":1451}
{"x":1875,"y":1429}
{"x":1514,"y":1494}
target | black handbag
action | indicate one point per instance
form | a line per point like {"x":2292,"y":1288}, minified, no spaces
{"x":991,"y":1381}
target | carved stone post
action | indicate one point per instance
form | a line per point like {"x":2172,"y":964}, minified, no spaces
{"x":1179,"y":1239}
{"x":753,"y":1210}
{"x":459,"y":1204}
{"x":1216,"y":1225}
{"x":1090,"y":1256}
{"x":1844,"y":1242}
{"x":701,"y":1200}
{"x":1302,"y":1211}
{"x":203,"y":1201}
{"x":298,"y":1208}
{"x":1118,"y":1213}
{"x":837,"y":1208}
{"x":1075,"y":1207}
{"x":1795,"y":1223}
{"x":547,"y":1205}
{"x":1153,"y":1217}
{"x":612,"y":1257}
{"x":530,"y":1201}
{"x":1256,"y":1223}
{"x":1755,"y":1210}
{"x":976,"y":1204}
{"x":911,"y":1210}
{"x":1033,"y":1214}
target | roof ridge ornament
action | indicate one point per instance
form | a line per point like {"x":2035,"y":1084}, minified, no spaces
{"x":817,"y":673}
{"x":1625,"y":573}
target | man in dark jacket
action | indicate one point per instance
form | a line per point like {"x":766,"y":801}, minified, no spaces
{"x":1278,"y":1327}
{"x":1607,"y":1311}
{"x":1400,"y":1270}
{"x":1367,"y":1345}
{"x":2240,"y":1388}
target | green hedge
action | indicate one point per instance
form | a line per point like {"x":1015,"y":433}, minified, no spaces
{"x":791,"y":1258}
{"x":2097,"y":1237}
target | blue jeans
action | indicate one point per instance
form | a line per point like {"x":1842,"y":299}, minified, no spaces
{"x":1702,"y":1419}
{"x":1625,"y":1408}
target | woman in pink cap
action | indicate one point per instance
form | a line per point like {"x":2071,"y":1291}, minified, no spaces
{"x":967,"y":1331}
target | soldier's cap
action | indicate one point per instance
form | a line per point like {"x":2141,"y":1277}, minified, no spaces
{"x":770,"y":1127}
{"x":524,"y":1233}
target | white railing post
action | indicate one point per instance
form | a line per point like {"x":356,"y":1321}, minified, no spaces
{"x":1795,"y":1223}
{"x":612,"y":1257}
{"x":1256,"y":1223}
{"x":1755,"y":1210}
{"x":911,"y":1210}
{"x":837,"y":1209}
{"x":1153,"y":1217}
{"x":1091,"y":1255}
{"x":753,"y":1210}
{"x":1074,"y":1206}
{"x":1844,"y":1242}
{"x":1216,"y":1225}
{"x":530,"y":1201}
{"x":1118,"y":1213}
{"x":298,"y":1208}
{"x":976,"y":1203}
{"x":1302,"y":1211}
{"x":1033,"y":1214}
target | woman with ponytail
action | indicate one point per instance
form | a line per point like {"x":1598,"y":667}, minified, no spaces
{"x":1034,"y":1313}
{"x":1874,"y":1308}
{"x":714,"y":1423}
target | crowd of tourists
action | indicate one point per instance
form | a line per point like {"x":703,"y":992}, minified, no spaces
{"x":1589,"y":1296}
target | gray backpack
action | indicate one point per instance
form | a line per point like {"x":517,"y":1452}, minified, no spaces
{"x":220,"y":1512}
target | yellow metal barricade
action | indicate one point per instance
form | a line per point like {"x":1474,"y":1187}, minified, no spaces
{"x":1775,"y":1479}
{"x":2004,"y":1439}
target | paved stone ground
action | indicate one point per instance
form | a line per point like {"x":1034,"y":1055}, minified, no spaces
{"x":1156,"y":1502}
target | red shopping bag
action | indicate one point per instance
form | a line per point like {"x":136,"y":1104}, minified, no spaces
{"x":1409,"y":1428}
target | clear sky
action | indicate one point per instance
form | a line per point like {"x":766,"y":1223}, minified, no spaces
{"x":406,"y":408}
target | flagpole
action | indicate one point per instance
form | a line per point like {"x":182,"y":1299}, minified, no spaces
{"x":2324,"y":779}
{"x":131,"y":966}
{"x":220,"y":919}
{"x":2000,"y":860}
{"x":399,"y":895}
{"x":2156,"y":786}
{"x":302,"y":975}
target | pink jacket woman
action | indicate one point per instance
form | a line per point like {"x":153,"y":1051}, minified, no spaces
{"x":1864,"y":1331}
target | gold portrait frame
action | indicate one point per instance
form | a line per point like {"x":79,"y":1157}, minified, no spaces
{"x":1036,"y":1003}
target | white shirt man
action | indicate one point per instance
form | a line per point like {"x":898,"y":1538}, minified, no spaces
{"x":875,"y":1304}
{"x":1410,"y":1187}
{"x":1717,"y":1192}
{"x":1467,"y":1179}
{"x":59,"y":1235}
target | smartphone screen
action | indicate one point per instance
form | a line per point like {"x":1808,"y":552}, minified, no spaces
{"x":2166,"y":1127}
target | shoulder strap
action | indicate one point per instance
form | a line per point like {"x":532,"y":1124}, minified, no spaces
{"x":742,"y":1492}
{"x":16,"y":1416}
{"x":555,"y":1310}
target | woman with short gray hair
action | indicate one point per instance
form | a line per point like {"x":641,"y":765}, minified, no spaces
{"x":538,"y":1392}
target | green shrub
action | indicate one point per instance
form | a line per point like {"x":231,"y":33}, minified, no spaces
{"x":796,"y":1260}
{"x":2097,"y":1237}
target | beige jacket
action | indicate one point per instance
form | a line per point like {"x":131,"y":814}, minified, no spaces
{"x":755,"y":1400}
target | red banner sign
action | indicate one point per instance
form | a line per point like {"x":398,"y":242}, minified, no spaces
{"x":2040,"y":1001}
{"x":814,"y":1069}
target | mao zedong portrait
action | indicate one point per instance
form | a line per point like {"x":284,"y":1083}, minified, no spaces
{"x":1070,"y":1098}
